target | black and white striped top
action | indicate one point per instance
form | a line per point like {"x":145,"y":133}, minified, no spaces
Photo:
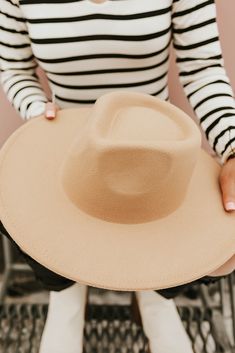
{"x":87,"y":49}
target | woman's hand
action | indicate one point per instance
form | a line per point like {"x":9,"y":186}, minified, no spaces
{"x":51,"y":110}
{"x":224,"y":270}
{"x":227,"y":184}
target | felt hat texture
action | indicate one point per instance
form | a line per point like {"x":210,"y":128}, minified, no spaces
{"x":117,"y":195}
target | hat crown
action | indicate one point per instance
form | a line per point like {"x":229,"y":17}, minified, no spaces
{"x":134,"y":160}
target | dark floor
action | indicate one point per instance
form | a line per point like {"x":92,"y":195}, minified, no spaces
{"x":110,"y":324}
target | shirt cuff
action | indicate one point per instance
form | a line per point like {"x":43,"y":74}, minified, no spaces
{"x":227,"y":156}
{"x":35,"y":109}
{"x":230,"y":151}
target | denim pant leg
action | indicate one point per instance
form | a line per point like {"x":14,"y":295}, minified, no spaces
{"x":48,"y":279}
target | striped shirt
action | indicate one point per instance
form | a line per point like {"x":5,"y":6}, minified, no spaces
{"x":87,"y":49}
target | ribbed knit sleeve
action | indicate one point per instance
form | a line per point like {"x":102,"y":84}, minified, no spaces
{"x":202,"y":73}
{"x":17,"y":63}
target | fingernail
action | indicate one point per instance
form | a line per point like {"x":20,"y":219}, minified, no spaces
{"x":230,"y":206}
{"x":50,"y":113}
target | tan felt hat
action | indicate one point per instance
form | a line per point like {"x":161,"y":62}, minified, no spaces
{"x":118,"y":195}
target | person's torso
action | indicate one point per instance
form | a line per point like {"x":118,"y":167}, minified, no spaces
{"x":88,"y":48}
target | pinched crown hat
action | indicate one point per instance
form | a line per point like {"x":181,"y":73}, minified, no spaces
{"x":119,"y":195}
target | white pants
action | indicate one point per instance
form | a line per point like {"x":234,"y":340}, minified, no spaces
{"x":63,"y":330}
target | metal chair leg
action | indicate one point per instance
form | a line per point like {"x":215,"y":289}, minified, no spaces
{"x":8,"y":260}
{"x":218,"y":323}
{"x":9,"y":266}
{"x":232,"y":300}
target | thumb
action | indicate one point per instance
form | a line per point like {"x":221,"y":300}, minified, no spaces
{"x":227,"y":185}
{"x":50,"y":110}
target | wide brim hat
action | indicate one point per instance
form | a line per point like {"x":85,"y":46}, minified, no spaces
{"x":117,"y":195}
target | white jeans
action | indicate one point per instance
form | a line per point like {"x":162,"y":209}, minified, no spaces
{"x":63,"y":330}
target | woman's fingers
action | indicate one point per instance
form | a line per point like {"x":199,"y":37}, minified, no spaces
{"x":51,"y":110}
{"x":227,"y":184}
{"x":227,"y":268}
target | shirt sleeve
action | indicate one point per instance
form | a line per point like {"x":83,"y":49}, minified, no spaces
{"x":19,"y":79}
{"x":202,"y":73}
